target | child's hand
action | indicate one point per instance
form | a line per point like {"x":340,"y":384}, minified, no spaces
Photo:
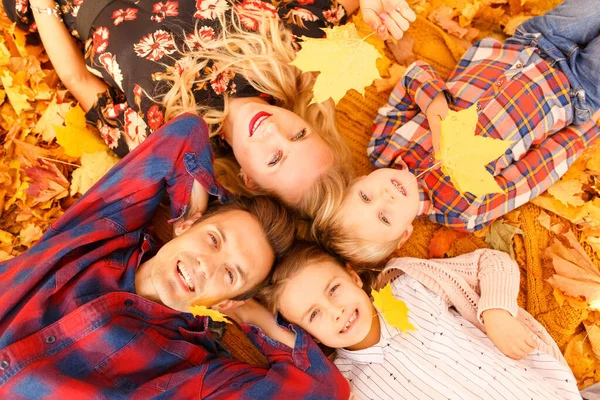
{"x":387,"y":17}
{"x":251,"y":312}
{"x":509,"y":335}
{"x":436,"y":112}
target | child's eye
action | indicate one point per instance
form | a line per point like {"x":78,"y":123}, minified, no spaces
{"x":214,"y":240}
{"x":299,"y":135}
{"x":230,"y":276}
{"x":313,"y":315}
{"x":364,"y":197}
{"x":333,"y":289}
{"x":275,"y":159}
{"x":384,"y":219}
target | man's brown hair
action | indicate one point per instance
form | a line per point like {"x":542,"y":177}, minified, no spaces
{"x":275,"y":220}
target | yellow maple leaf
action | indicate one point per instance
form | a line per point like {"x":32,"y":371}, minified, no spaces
{"x":54,"y":115}
{"x":17,"y":99}
{"x":93,"y":167}
{"x":344,"y":61}
{"x":394,"y":311}
{"x":463,"y":155}
{"x":202,"y":311}
{"x":75,"y":137}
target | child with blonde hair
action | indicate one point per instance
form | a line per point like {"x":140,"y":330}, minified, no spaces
{"x":539,"y":91}
{"x":471,"y":340}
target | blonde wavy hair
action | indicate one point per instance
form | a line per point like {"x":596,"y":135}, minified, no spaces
{"x":331,"y":230}
{"x":263,"y":58}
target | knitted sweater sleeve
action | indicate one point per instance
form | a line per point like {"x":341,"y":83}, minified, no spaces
{"x":472,"y":283}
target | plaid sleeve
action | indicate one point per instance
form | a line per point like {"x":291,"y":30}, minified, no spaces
{"x":531,"y":175}
{"x":422,"y":84}
{"x":300,"y":373}
{"x":412,"y":94}
{"x":170,"y":159}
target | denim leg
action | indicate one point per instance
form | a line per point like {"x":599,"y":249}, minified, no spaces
{"x":567,"y":36}
{"x":571,"y":23}
{"x":585,"y":64}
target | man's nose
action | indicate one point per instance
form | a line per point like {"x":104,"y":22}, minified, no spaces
{"x":208,"y":268}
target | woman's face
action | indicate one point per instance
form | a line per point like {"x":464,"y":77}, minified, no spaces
{"x":277,"y":150}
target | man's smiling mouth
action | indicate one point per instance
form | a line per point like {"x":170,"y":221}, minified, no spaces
{"x":185,"y":276}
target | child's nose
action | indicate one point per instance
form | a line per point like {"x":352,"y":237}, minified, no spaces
{"x":389,"y":193}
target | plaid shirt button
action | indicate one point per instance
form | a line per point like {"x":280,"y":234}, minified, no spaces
{"x":4,"y":364}
{"x":50,"y":339}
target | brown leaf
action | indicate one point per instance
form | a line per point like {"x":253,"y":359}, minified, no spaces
{"x":500,"y":237}
{"x":442,"y":241}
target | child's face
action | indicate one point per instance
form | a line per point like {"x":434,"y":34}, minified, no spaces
{"x":382,"y":205}
{"x":328,"y":302}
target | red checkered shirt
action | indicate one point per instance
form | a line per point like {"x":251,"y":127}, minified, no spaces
{"x":519,"y":97}
{"x":73,"y":327}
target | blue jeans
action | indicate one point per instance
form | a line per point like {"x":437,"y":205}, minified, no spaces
{"x":569,"y":38}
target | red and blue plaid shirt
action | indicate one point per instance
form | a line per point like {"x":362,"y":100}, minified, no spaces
{"x":519,"y":97}
{"x":72,"y":326}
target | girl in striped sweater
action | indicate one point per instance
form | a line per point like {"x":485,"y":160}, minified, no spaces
{"x":471,"y":340}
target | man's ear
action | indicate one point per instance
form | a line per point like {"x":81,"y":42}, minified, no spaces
{"x":182,"y":225}
{"x":248,"y":182}
{"x":405,"y":236}
{"x":225,"y":305}
{"x":354,"y":275}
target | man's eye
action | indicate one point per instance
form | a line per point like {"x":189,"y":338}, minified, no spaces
{"x":230,"y":276}
{"x":275,"y":159}
{"x":214,"y":240}
{"x":364,"y":197}
{"x":333,"y":289}
{"x":313,"y":315}
{"x":384,"y":219}
{"x":299,"y":135}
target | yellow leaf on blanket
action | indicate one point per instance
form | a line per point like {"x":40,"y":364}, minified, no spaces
{"x":568,"y":192}
{"x":344,"y":60}
{"x":202,"y":311}
{"x":75,"y":137}
{"x":93,"y":167}
{"x":580,"y":356}
{"x":463,"y":155}
{"x":394,"y":311}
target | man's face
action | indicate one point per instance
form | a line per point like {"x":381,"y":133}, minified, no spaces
{"x":214,"y":260}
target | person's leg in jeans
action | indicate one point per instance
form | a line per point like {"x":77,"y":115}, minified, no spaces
{"x":568,"y":36}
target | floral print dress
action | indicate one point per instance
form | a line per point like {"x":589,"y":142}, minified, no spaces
{"x":134,"y":42}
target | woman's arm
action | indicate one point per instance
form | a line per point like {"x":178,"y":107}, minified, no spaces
{"x":66,"y":57}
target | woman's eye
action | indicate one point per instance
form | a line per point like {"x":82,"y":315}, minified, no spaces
{"x":230,"y":276}
{"x":384,"y":219}
{"x":214,"y":240}
{"x":299,"y":135}
{"x":313,"y":315}
{"x":333,"y":289}
{"x":364,"y":197}
{"x":275,"y":159}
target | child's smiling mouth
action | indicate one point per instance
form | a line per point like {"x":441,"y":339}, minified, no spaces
{"x":351,"y":321}
{"x":399,"y":187}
